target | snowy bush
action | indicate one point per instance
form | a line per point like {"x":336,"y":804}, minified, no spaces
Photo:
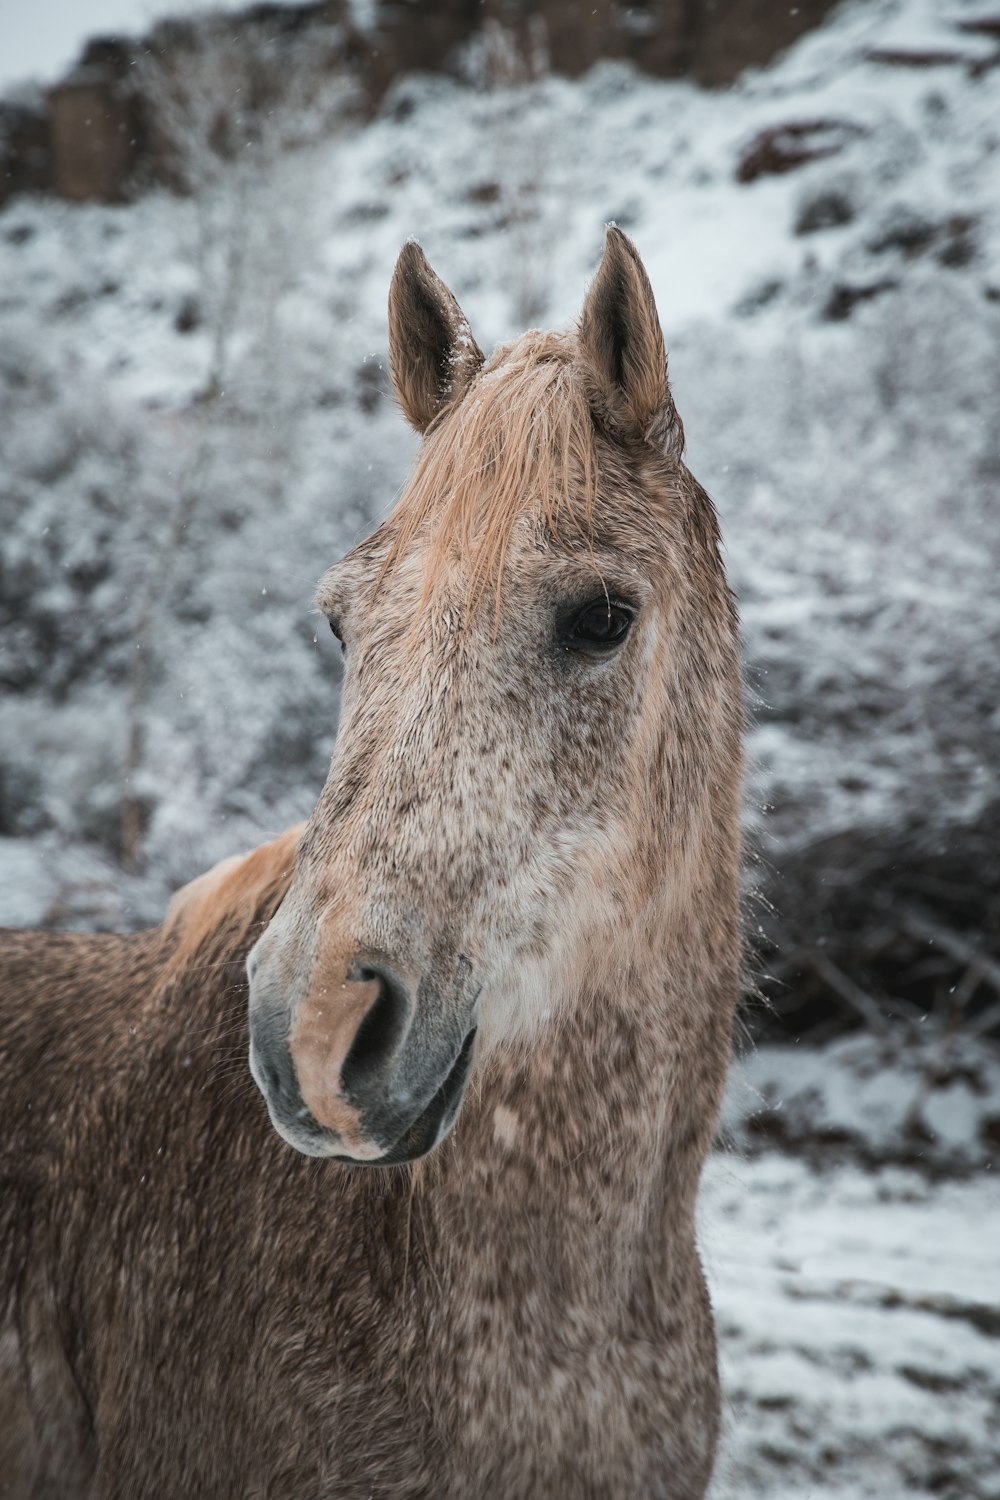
{"x":183,"y":455}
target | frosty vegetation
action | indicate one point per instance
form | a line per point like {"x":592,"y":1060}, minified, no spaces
{"x":197,"y":420}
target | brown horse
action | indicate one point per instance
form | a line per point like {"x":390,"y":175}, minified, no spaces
{"x":519,"y":887}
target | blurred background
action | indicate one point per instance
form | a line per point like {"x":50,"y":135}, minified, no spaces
{"x":199,"y":214}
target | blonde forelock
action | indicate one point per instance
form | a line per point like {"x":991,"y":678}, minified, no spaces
{"x":520,"y":444}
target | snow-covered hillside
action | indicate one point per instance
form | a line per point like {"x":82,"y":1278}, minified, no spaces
{"x":185,"y":447}
{"x":834,"y":332}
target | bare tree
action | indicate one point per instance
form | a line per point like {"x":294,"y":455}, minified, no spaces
{"x":507,"y":66}
{"x":237,"y":111}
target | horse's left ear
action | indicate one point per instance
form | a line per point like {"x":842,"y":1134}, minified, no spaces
{"x":620,"y":332}
{"x":432,"y":353}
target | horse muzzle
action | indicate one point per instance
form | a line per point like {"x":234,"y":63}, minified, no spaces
{"x":364,"y":1067}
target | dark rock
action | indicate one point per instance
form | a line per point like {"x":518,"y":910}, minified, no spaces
{"x":188,"y":315}
{"x":758,"y":297}
{"x":913,"y":57}
{"x":844,"y":299}
{"x":20,"y":234}
{"x":783,"y":148}
{"x":25,"y":151}
{"x":912,"y":234}
{"x":484,"y":192}
{"x":830,"y":208}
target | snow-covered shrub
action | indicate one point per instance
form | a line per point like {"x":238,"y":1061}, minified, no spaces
{"x":834,"y":332}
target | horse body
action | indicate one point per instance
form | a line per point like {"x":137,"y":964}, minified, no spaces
{"x":202,"y":1311}
{"x":528,"y":900}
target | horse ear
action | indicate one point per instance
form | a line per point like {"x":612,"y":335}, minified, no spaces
{"x":432,"y":353}
{"x":620,"y":333}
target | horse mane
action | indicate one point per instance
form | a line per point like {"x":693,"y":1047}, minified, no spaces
{"x":520,"y":442}
{"x":220,"y":914}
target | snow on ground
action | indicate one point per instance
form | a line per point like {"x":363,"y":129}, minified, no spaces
{"x":834,"y":332}
{"x":859,"y":1330}
{"x":856,"y":1272}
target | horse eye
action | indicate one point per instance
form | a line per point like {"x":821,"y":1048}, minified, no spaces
{"x":603,"y":624}
{"x":335,"y":628}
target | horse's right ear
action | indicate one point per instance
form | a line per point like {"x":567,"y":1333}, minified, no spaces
{"x":432,"y":353}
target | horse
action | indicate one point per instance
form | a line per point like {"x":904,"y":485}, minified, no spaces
{"x":487,"y":993}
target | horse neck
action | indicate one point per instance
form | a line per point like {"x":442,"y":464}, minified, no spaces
{"x":576,"y":1161}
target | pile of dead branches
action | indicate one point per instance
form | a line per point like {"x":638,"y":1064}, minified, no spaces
{"x":882,"y":930}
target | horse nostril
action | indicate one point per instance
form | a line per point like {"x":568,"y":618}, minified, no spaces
{"x":381,"y":1030}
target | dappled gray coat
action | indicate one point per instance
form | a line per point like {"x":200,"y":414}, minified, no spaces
{"x":532,"y":812}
